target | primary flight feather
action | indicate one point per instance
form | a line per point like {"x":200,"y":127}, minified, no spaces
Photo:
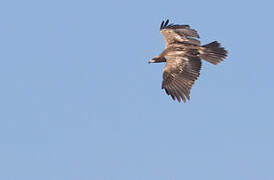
{"x":183,"y":54}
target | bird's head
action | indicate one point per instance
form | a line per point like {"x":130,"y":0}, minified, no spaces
{"x":157,"y":59}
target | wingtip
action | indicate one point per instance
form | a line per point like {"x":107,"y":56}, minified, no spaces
{"x":164,"y":24}
{"x":167,"y":21}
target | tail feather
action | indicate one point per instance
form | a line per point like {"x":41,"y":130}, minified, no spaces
{"x":213,"y":52}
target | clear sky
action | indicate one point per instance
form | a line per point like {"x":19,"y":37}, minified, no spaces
{"x":80,"y":102}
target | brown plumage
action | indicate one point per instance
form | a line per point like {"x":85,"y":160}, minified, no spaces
{"x":183,"y":54}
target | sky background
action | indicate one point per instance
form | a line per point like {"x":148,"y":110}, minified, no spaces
{"x":79,"y":101}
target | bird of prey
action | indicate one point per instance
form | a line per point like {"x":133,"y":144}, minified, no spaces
{"x":183,"y":54}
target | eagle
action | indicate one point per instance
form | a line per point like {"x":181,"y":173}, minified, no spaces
{"x":183,"y":53}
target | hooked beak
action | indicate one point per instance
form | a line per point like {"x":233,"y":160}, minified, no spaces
{"x":151,"y":61}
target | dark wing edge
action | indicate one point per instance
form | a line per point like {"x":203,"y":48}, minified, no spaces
{"x":178,"y":81}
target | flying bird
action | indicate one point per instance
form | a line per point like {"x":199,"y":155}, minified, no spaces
{"x":183,"y":53}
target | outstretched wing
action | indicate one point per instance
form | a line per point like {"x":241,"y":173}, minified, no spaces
{"x":174,"y":33}
{"x":179,"y":75}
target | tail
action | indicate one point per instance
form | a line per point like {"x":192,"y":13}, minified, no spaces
{"x":213,"y":52}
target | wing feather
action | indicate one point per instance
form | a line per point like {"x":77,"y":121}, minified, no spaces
{"x":184,"y":87}
{"x":181,"y":90}
{"x":162,"y":25}
{"x":167,"y":21}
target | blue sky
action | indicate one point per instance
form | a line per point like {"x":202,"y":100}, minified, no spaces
{"x":79,"y":100}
